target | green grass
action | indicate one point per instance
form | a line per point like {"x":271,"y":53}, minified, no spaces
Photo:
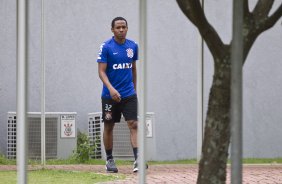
{"x":245,"y":161}
{"x":187,"y":161}
{"x":88,"y":162}
{"x":192,"y":161}
{"x":5,"y":161}
{"x":59,"y":177}
{"x":118,"y":162}
{"x":262,"y":161}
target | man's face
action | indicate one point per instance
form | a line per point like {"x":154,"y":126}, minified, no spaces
{"x":120,"y":29}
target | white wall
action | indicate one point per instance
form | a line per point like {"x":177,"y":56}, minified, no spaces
{"x":74,"y":31}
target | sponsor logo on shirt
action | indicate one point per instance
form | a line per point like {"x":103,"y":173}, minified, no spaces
{"x":122,"y":66}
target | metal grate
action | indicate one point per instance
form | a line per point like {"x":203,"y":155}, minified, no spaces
{"x":51,"y":137}
{"x":12,"y":137}
{"x":94,"y":133}
{"x":34,"y":137}
{"x":121,"y":144}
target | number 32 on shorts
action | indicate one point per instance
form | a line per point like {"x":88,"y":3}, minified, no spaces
{"x":108,"y":107}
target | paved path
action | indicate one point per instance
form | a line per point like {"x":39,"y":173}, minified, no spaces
{"x":176,"y":173}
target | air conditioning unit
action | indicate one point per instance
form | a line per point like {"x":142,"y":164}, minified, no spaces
{"x":60,"y":135}
{"x":95,"y":134}
{"x":122,"y":148}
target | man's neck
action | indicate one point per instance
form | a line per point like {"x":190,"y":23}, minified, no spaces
{"x":120,"y":41}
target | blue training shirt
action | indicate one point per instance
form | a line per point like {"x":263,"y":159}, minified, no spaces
{"x":119,"y":58}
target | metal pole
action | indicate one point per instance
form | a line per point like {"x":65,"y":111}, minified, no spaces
{"x":142,"y":90}
{"x":43,"y":159}
{"x":200,"y":96}
{"x":22,"y":66}
{"x":236,"y":93}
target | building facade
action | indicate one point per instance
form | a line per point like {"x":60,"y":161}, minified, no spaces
{"x":74,"y":31}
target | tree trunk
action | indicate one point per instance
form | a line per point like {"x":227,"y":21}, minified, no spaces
{"x":212,"y":167}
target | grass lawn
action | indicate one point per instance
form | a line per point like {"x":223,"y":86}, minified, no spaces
{"x":58,"y":177}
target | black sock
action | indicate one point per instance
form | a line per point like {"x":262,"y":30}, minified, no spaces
{"x":135,"y":152}
{"x":109,"y":154}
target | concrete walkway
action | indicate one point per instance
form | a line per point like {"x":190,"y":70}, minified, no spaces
{"x":175,"y":173}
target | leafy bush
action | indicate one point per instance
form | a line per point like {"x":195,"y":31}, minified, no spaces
{"x":84,"y":148}
{"x":6,"y":161}
{"x":3,"y":160}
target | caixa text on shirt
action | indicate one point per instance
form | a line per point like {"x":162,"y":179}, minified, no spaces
{"x":122,"y":66}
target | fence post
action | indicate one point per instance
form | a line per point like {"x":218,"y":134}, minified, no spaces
{"x":142,"y":87}
{"x":236,"y":93}
{"x":22,"y":66}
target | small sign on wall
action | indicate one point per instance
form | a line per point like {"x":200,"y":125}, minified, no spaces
{"x":149,"y":128}
{"x":68,"y":126}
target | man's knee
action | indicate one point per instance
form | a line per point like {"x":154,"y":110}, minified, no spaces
{"x":132,"y":124}
{"x":108,"y":126}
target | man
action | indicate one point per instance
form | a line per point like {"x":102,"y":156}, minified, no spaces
{"x":117,"y":70}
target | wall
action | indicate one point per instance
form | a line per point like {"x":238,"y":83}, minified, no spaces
{"x":73,"y":33}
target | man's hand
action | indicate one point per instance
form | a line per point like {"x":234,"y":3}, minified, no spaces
{"x":103,"y":76}
{"x":115,"y":95}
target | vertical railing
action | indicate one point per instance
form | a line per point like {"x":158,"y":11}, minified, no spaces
{"x":200,"y":95}
{"x":43,"y":141}
{"x":236,"y":93}
{"x":22,"y":67}
{"x":142,"y":87}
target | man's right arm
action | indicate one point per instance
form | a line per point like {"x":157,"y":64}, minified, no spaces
{"x":103,"y":76}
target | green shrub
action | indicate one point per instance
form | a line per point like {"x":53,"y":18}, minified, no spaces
{"x":6,"y":161}
{"x":84,"y":148}
{"x":3,"y":160}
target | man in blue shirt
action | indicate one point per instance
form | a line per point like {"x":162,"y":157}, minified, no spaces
{"x":117,"y":70}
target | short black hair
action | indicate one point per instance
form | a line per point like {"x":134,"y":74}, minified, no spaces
{"x":116,"y":19}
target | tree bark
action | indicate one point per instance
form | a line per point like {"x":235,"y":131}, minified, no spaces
{"x":212,"y":167}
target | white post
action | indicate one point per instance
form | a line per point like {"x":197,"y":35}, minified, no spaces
{"x":236,"y":93}
{"x":200,"y":96}
{"x":22,"y":66}
{"x":43,"y":151}
{"x":142,"y":87}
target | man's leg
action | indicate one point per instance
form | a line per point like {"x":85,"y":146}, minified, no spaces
{"x":108,"y":139}
{"x":130,"y":115}
{"x":109,"y":117}
{"x":132,"y":125}
{"x":108,"y":144}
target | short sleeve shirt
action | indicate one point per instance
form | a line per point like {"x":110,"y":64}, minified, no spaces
{"x":119,"y":59}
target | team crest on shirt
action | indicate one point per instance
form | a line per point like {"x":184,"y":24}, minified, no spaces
{"x":108,"y":116}
{"x":129,"y":53}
